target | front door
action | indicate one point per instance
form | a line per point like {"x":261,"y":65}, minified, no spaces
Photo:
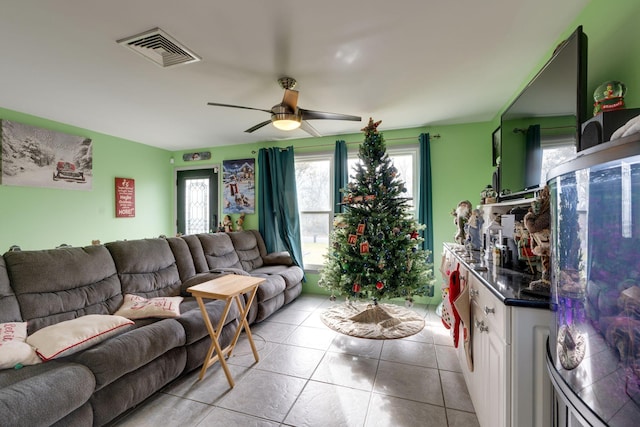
{"x":197,"y":201}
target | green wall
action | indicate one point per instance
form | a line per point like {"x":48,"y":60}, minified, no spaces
{"x":36,"y":218}
{"x":39,"y":218}
{"x":461,"y":165}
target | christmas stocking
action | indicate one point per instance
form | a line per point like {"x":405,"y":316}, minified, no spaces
{"x":462,"y":305}
{"x":447,"y":316}
{"x":454,"y":292}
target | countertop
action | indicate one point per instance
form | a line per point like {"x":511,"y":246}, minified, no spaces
{"x":504,"y":283}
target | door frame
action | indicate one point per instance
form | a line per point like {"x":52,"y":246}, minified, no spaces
{"x":216,"y":168}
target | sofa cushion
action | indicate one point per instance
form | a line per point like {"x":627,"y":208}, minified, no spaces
{"x":71,"y":336}
{"x":43,"y":394}
{"x":271,"y":287}
{"x":191,"y":318}
{"x":130,"y":350}
{"x":247,"y":248}
{"x":146,"y":267}
{"x":9,"y":308}
{"x":219,"y":251}
{"x":61,"y":284}
{"x":292,"y":275}
{"x":184,"y":259}
{"x":137,"y":307}
{"x":197,"y":253}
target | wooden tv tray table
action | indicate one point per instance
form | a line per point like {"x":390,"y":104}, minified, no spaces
{"x":228,"y":288}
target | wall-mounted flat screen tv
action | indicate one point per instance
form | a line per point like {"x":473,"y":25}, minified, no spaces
{"x":541,"y":128}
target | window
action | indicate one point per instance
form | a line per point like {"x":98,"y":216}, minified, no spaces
{"x":405,"y":160}
{"x":314,"y":184}
{"x":555,"y":150}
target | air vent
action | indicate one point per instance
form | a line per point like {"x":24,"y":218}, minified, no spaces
{"x":159,"y":47}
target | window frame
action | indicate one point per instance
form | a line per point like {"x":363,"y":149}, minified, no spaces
{"x":311,"y":157}
{"x":413,"y":151}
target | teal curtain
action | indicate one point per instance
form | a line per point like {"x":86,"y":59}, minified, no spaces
{"x":425,"y":214}
{"x":279,"y":221}
{"x":341,"y":174}
{"x":533,"y":157}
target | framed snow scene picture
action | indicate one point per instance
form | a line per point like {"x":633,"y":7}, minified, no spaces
{"x":238,"y":186}
{"x":37,"y":157}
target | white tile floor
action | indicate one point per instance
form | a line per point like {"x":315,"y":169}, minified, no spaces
{"x":309,"y":375}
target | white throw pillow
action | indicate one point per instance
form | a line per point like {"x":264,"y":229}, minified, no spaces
{"x":71,"y":336}
{"x":14,"y":351}
{"x":137,"y":307}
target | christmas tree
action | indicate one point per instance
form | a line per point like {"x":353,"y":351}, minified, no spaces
{"x":376,"y":249}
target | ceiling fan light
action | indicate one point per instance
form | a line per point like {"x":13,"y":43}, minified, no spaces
{"x":286,"y":121}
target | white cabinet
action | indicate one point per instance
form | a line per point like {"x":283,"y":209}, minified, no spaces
{"x":490,"y":377}
{"x":509,"y":385}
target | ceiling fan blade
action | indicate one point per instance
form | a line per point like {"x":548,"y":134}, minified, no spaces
{"x":290,"y":99}
{"x":216,"y":104}
{"x":305,"y":126}
{"x":317,"y":115}
{"x":258,"y":126}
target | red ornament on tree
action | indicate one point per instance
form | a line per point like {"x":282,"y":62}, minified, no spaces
{"x":356,"y":287}
{"x":379,"y":285}
{"x":414,"y":234}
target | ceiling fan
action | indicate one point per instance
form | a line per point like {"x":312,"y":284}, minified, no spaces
{"x":287,"y":115}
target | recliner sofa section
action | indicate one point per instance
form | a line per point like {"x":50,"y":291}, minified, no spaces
{"x":244,"y":252}
{"x":97,"y":384}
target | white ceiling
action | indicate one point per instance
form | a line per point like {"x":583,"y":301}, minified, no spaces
{"x":409,"y":63}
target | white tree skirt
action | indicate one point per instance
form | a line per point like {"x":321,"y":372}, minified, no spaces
{"x":380,"y":322}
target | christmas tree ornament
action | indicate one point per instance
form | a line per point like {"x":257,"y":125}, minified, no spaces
{"x":353,"y":239}
{"x":361,"y":228}
{"x":414,"y":234}
{"x":364,"y":247}
{"x":379,"y":285}
{"x":356,"y":287}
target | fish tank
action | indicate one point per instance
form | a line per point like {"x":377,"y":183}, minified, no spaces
{"x":594,"y":344}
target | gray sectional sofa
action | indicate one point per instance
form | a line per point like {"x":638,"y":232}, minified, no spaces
{"x":101,"y":382}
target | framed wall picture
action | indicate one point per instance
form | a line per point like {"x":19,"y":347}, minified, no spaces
{"x":37,"y":157}
{"x":239,"y":186}
{"x":496,"y":146}
{"x":125,"y":198}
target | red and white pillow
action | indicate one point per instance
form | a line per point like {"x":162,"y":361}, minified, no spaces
{"x":14,"y":351}
{"x":71,"y":336}
{"x":137,"y":307}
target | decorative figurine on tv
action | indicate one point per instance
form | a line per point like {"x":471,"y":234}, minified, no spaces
{"x":538,"y":222}
{"x":609,"y":96}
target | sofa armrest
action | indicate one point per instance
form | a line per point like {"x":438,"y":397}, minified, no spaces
{"x":277,"y":258}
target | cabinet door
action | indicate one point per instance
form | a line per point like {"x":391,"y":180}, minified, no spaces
{"x":497,"y":370}
{"x":490,"y":396}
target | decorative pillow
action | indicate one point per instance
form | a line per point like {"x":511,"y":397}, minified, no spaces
{"x":14,"y":351}
{"x":71,"y":336}
{"x":137,"y":307}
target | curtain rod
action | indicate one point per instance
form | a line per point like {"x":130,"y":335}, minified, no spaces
{"x":406,"y":138}
{"x":521,"y":130}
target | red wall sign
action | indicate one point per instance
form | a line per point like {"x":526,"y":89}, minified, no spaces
{"x":125,"y":198}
